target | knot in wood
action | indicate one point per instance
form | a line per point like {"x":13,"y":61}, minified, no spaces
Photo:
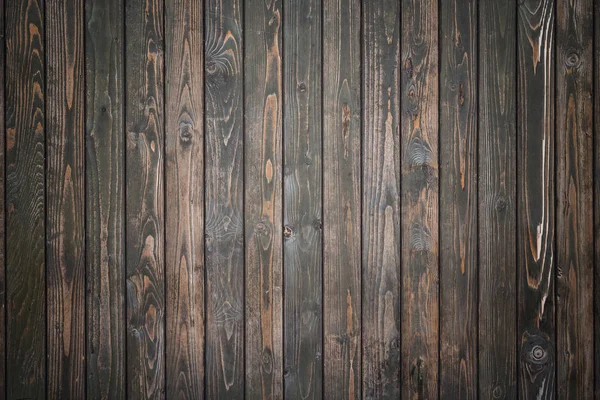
{"x":573,"y":59}
{"x":302,"y":87}
{"x":500,"y":204}
{"x":288,"y":231}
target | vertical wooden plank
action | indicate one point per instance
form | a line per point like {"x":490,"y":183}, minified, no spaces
{"x":224,"y":225}
{"x":2,"y":212}
{"x":381,"y":200}
{"x":263,"y":201}
{"x":65,"y":220}
{"x":420,"y":198}
{"x":574,"y":227}
{"x":105,"y":184}
{"x":342,"y":198}
{"x":184,"y":215}
{"x":302,"y":198}
{"x":497,"y":199}
{"x":25,"y":200}
{"x":144,"y":199}
{"x":596,"y":133}
{"x":535,"y":205}
{"x":458,"y":200}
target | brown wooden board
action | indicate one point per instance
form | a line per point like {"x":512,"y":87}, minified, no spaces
{"x":2,"y":213}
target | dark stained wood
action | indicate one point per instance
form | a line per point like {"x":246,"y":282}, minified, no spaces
{"x":65,"y":192}
{"x":381,"y":219}
{"x":342,"y":199}
{"x":302,"y":197}
{"x":263,"y":201}
{"x":184,"y":215}
{"x":2,"y":214}
{"x":497,"y":199}
{"x":596,"y":133}
{"x":420,"y":314}
{"x":458,"y":200}
{"x":105,"y":184}
{"x":144,"y":202}
{"x":574,"y":185}
{"x":25,"y":200}
{"x":224,"y":225}
{"x":535,"y":172}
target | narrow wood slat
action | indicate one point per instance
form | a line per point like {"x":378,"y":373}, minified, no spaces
{"x":497,"y":199}
{"x":596,"y":133}
{"x":263,"y":201}
{"x":184,"y":215}
{"x":342,"y":198}
{"x":144,"y":201}
{"x":2,"y":214}
{"x":458,"y":200}
{"x":25,"y":200}
{"x":381,"y":219}
{"x":420,"y":174}
{"x":65,"y":191}
{"x":535,"y":226}
{"x":302,"y":196}
{"x":224,"y":186}
{"x":574,"y":185}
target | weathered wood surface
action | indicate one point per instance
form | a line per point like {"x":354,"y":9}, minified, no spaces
{"x":144,"y":205}
{"x":497,"y":186}
{"x":184,"y":215}
{"x":536,"y":258}
{"x":596,"y":133}
{"x":458,"y":199}
{"x":2,"y":212}
{"x":65,"y":196}
{"x":263,"y":151}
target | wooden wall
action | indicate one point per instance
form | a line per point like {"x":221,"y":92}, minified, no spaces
{"x":300,"y":199}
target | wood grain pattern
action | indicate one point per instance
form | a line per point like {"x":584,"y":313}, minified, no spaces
{"x":105,"y":201}
{"x":2,"y":213}
{"x":342,"y":199}
{"x":145,"y":199}
{"x":302,"y":197}
{"x":65,"y":192}
{"x":381,"y":219}
{"x":184,"y":262}
{"x":574,"y":185}
{"x":420,"y":314}
{"x":458,"y":200}
{"x":535,"y":226}
{"x":263,"y":199}
{"x":224,"y":226}
{"x":497,"y":199}
{"x":596,"y":133}
{"x":25,"y":200}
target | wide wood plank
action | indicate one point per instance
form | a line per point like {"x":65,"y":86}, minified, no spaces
{"x":302,"y":196}
{"x":224,"y":225}
{"x":105,"y":184}
{"x":65,"y":191}
{"x":263,"y":201}
{"x":25,"y":200}
{"x":381,"y":199}
{"x":535,"y":204}
{"x":458,"y":200}
{"x":497,"y":199}
{"x":420,"y":198}
{"x":574,"y":185}
{"x":184,"y":215}
{"x":145,"y":199}
{"x":342,"y":198}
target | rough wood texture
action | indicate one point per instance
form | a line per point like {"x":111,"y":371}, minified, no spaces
{"x":224,"y":226}
{"x":184,"y":215}
{"x":105,"y":184}
{"x":25,"y":200}
{"x":420,"y":198}
{"x":2,"y":215}
{"x":596,"y":133}
{"x":381,"y":200}
{"x":497,"y":199}
{"x":574,"y":185}
{"x":535,"y":204}
{"x":263,"y":201}
{"x":145,"y":199}
{"x":342,"y":199}
{"x":65,"y":193}
{"x":458,"y":200}
{"x":302,"y":213}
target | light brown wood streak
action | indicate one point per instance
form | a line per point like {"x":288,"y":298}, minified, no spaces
{"x":184,"y":215}
{"x":420,"y":199}
{"x":263,"y":201}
